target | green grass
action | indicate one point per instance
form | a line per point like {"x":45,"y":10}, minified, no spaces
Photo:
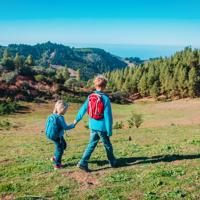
{"x":159,"y":160}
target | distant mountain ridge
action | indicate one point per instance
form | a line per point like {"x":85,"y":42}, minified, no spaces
{"x":89,"y":60}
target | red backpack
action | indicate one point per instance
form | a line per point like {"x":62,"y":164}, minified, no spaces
{"x":95,"y":106}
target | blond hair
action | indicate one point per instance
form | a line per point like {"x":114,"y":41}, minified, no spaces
{"x":60,"y":107}
{"x":100,"y":81}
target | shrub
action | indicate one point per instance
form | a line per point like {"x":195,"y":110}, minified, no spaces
{"x":62,"y":75}
{"x":20,"y":97}
{"x":74,"y":99}
{"x":5,"y":124}
{"x":118,"y":125}
{"x":39,"y":70}
{"x":25,"y":71}
{"x":118,"y":97}
{"x":39,"y":100}
{"x":9,"y":77}
{"x":25,"y":85}
{"x":50,"y":72}
{"x":135,"y":120}
{"x":8,"y":64}
{"x":39,"y":77}
{"x":8,"y":108}
{"x":71,"y":83}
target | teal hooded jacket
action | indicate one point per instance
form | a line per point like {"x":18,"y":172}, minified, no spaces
{"x":103,"y":125}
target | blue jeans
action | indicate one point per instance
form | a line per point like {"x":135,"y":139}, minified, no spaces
{"x":94,"y":139}
{"x":60,"y":146}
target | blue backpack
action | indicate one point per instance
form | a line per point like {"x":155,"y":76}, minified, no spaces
{"x":52,"y":128}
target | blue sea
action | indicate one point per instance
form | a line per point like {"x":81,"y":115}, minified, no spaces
{"x":142,"y":51}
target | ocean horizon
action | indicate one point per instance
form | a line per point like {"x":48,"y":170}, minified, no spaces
{"x":144,"y":52}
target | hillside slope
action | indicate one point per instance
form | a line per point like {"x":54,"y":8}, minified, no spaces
{"x":89,"y":60}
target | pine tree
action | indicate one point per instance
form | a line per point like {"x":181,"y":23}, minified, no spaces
{"x":167,"y":85}
{"x":6,"y":54}
{"x":151,"y":76}
{"x":154,"y":90}
{"x":62,"y":75}
{"x":162,"y":77}
{"x":175,"y":89}
{"x":29,"y":60}
{"x":126,"y":86}
{"x":193,"y":83}
{"x":126,"y":71}
{"x":182,"y":81}
{"x":78,"y":75}
{"x":65,"y":73}
{"x":7,"y":61}
{"x":18,"y":61}
{"x":142,"y":87}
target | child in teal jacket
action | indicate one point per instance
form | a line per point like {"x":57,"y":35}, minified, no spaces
{"x":101,"y":128}
{"x":59,"y":142}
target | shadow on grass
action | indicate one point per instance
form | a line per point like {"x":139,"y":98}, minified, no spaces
{"x":124,"y":162}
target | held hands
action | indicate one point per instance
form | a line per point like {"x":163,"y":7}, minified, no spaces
{"x":73,"y":125}
{"x":75,"y":122}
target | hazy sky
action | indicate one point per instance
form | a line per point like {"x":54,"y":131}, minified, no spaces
{"x":160,"y":22}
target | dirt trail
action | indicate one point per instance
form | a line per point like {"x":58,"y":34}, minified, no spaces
{"x":86,"y":180}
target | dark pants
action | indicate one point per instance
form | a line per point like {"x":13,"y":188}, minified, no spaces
{"x":94,"y":139}
{"x":60,"y":146}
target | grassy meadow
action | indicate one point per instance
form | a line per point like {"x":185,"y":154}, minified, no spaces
{"x":159,"y":160}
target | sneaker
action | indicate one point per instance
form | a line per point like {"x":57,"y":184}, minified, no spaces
{"x":84,"y":168}
{"x":53,"y":159}
{"x":58,"y":167}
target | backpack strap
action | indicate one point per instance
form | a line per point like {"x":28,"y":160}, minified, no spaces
{"x":56,"y":117}
{"x":99,"y":96}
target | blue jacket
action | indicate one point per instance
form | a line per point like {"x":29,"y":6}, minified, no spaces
{"x":103,"y":125}
{"x":63,"y":125}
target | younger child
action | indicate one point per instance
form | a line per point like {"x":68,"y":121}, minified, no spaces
{"x":55,"y":127}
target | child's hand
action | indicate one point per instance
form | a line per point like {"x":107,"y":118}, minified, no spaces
{"x":75,"y":122}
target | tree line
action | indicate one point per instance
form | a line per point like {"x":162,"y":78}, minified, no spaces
{"x":175,"y":76}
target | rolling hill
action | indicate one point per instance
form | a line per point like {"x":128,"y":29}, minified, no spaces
{"x":89,"y":60}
